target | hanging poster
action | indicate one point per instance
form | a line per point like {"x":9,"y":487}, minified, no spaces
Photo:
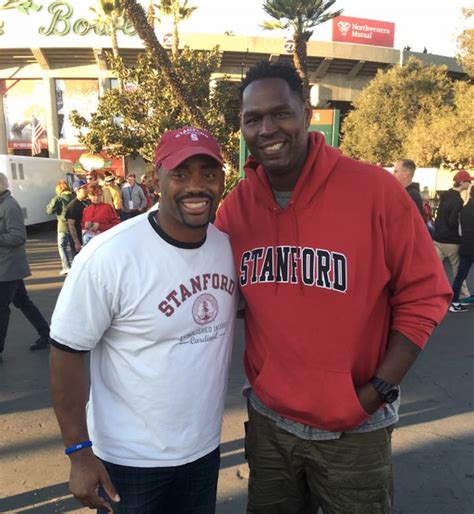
{"x":24,"y":105}
{"x":81,"y":95}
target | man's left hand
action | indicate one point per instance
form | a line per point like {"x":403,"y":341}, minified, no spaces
{"x":369,"y":398}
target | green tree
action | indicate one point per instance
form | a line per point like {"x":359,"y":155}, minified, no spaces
{"x":129,"y":122}
{"x":301,"y":17}
{"x":183,"y":94}
{"x":178,"y":11}
{"x":387,"y":109}
{"x":466,"y":44}
{"x":445,"y":137}
{"x":423,"y":141}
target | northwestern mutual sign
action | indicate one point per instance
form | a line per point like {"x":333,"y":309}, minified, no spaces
{"x":364,"y":32}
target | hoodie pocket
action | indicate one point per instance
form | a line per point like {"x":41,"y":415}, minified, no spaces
{"x":321,"y":398}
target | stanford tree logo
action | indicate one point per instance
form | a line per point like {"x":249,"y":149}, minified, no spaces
{"x":205,"y":309}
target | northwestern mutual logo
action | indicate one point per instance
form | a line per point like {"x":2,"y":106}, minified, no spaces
{"x":366,"y":32}
{"x":344,"y":27}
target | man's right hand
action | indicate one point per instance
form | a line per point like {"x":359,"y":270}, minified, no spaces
{"x":87,"y":473}
{"x":77,"y":246}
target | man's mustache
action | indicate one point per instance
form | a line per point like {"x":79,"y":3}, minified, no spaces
{"x":199,"y":196}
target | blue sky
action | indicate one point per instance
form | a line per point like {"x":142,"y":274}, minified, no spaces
{"x":418,"y":23}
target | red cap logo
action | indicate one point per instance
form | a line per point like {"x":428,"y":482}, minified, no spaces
{"x":175,"y":146}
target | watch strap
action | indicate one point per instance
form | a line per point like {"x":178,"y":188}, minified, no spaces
{"x":381,"y":386}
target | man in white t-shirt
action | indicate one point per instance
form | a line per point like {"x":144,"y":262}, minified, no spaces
{"x":153,"y":300}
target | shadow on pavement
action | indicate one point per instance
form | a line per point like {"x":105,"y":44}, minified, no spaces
{"x":235,"y":505}
{"x":28,"y":502}
{"x":435,"y":478}
{"x":232,"y":453}
{"x":54,"y":499}
{"x":25,"y":403}
{"x":30,"y":446}
{"x":50,"y":281}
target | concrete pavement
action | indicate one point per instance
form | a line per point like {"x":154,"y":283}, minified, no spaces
{"x":433,"y":445}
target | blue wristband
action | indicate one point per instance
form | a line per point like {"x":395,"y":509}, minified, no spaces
{"x":79,"y":446}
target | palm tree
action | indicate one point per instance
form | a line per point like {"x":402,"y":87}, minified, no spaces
{"x":179,"y":12}
{"x":109,"y":15}
{"x":301,"y":16}
{"x":162,"y":62}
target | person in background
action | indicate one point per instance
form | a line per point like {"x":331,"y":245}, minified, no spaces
{"x":466,"y":251}
{"x":446,"y":229}
{"x":111,"y":193}
{"x":155,"y":306}
{"x":428,"y":213}
{"x":58,"y":206}
{"x":146,"y":190}
{"x":14,"y":268}
{"x":404,"y":172}
{"x":98,"y":216}
{"x":74,"y":212}
{"x":116,"y":180}
{"x":119,"y":182}
{"x":133,"y":199}
{"x":92,"y":177}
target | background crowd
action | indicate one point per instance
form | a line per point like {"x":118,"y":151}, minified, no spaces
{"x":452,"y":230}
{"x":99,"y":202}
{"x":94,"y":205}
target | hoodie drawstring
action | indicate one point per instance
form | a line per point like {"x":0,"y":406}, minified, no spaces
{"x":297,"y":234}
{"x":276,"y":225}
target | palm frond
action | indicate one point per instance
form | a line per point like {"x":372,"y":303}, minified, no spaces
{"x":273,"y":25}
{"x":176,"y":8}
{"x":300,"y":15}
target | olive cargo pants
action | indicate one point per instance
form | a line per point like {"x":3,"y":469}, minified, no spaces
{"x":289,"y":475}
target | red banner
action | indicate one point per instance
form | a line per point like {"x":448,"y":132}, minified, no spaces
{"x":362,"y":31}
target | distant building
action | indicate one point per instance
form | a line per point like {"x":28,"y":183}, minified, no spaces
{"x":52,"y":61}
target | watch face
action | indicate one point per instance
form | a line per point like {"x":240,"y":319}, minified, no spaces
{"x":391,"y":396}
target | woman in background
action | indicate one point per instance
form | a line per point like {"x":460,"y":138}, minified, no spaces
{"x":57,"y":206}
{"x":98,"y":216}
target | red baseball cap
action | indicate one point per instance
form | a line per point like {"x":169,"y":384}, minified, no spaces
{"x":462,"y":176}
{"x":175,"y":146}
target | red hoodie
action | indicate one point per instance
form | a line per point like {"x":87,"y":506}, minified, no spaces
{"x":326,"y":279}
{"x":101,"y":213}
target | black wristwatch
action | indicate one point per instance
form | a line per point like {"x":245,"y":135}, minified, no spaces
{"x":388,"y":392}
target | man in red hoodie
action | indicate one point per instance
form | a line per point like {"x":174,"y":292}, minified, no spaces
{"x":340,"y":296}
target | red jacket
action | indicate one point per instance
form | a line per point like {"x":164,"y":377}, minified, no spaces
{"x":326,"y":279}
{"x":101,"y":213}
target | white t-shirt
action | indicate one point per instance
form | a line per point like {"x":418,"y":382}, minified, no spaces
{"x":159,"y":321}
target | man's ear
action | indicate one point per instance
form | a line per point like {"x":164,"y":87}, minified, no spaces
{"x":156,"y":179}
